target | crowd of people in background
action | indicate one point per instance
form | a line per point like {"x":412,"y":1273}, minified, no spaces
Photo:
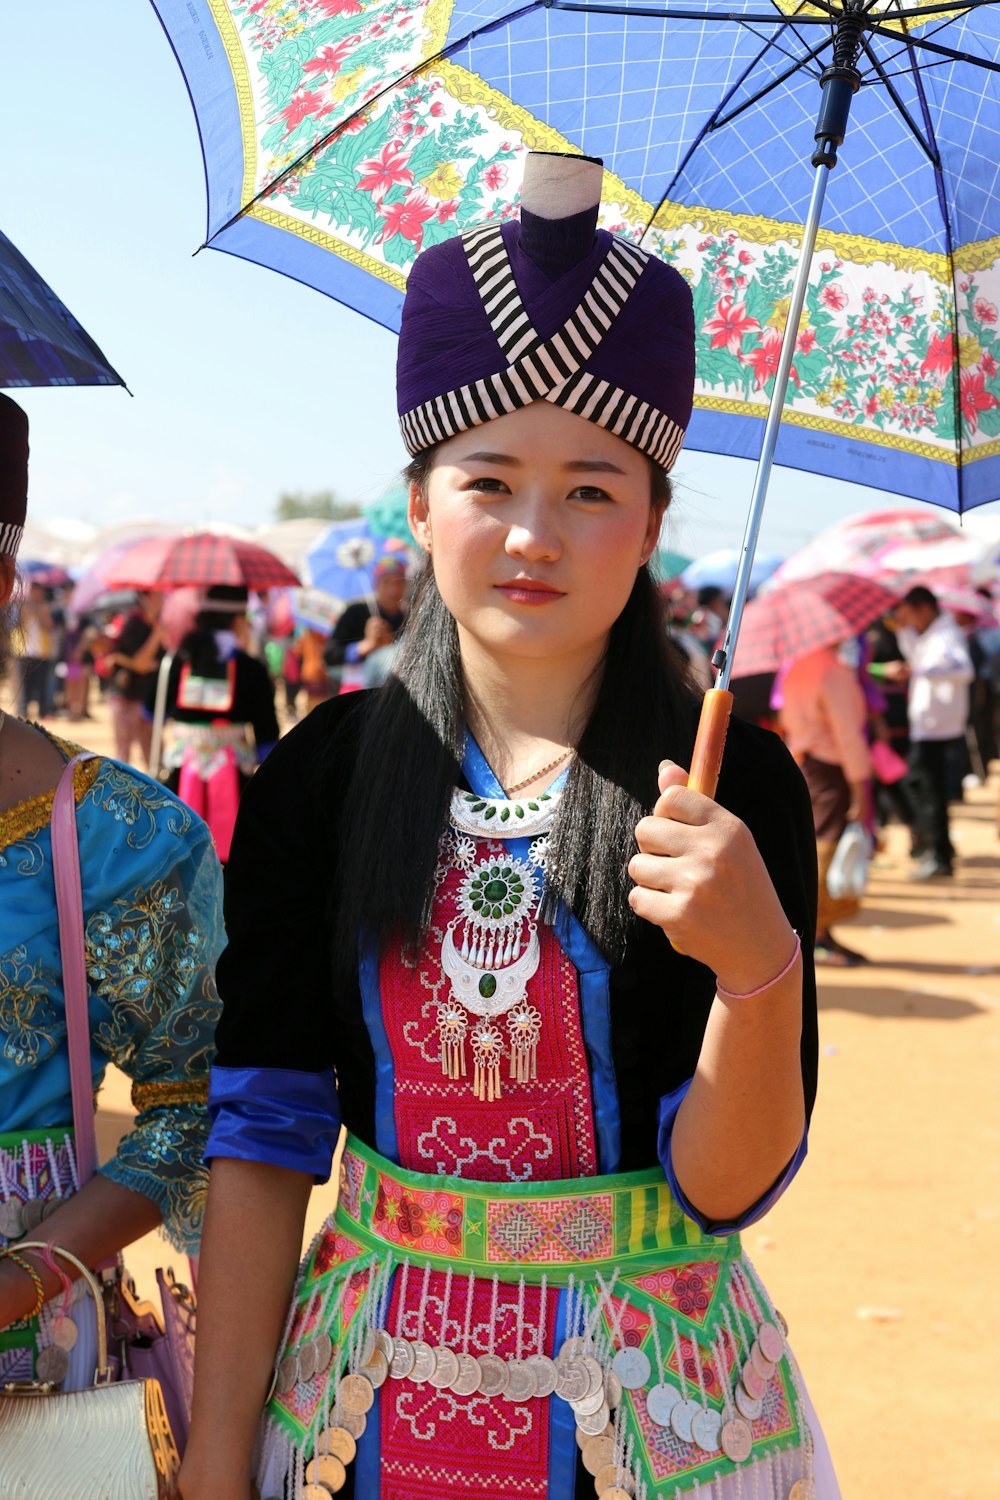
{"x":891,"y":727}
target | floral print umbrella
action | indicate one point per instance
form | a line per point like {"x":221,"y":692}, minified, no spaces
{"x":342,"y":136}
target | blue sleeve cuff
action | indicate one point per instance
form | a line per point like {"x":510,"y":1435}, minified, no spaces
{"x":263,"y":751}
{"x":669,"y":1105}
{"x":274,"y":1115}
{"x":351,"y":652}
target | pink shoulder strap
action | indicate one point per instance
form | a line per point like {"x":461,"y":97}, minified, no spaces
{"x":69,"y":906}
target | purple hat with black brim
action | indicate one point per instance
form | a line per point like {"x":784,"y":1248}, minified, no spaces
{"x":548,"y":309}
{"x":13,"y":475}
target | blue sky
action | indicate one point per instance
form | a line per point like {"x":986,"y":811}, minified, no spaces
{"x":244,"y":384}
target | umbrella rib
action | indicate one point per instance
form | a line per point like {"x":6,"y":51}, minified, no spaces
{"x":331,"y":135}
{"x":950,"y":252}
{"x":929,"y":151}
{"x":797,"y":67}
{"x":712,"y":122}
{"x":945,"y":52}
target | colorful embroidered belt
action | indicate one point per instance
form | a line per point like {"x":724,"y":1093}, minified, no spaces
{"x":591,"y":1316}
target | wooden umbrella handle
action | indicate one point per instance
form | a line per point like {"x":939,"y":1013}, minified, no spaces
{"x":710,"y":742}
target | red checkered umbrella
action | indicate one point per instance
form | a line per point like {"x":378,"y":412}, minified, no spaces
{"x":793,"y":619}
{"x":200,"y":560}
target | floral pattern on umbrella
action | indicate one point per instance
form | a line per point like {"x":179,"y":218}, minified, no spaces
{"x":359,"y":138}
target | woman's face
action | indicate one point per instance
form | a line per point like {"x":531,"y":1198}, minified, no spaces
{"x":537,"y":524}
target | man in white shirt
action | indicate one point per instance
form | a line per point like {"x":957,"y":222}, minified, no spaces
{"x":939,"y":670}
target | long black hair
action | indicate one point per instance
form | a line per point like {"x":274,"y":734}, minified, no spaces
{"x":199,"y":647}
{"x":409,"y":754}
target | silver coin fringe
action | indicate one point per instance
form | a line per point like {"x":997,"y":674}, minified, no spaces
{"x":593,"y":1369}
{"x":34,"y":1181}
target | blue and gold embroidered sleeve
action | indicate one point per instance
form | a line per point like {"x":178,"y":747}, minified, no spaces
{"x":151,"y":951}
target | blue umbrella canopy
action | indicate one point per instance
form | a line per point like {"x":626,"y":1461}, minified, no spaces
{"x":342,"y":136}
{"x":41,"y":343}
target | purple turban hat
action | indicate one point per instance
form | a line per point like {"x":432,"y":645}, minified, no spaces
{"x":546,"y":309}
{"x":13,"y":475}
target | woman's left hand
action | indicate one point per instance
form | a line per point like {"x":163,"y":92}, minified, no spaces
{"x":699,"y":876}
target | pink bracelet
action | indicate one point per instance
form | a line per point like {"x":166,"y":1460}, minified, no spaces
{"x":728,"y":994}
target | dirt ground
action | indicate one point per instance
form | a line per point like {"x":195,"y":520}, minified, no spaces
{"x":884,"y":1254}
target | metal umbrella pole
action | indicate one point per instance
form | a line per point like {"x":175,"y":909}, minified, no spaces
{"x":840,"y":82}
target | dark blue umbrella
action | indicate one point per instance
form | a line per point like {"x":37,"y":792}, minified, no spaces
{"x":41,"y":343}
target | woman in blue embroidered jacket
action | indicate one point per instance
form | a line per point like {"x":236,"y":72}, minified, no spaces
{"x":557,"y":1121}
{"x":152,"y":916}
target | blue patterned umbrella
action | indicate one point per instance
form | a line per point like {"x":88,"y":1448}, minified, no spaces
{"x":341,"y":136}
{"x":41,"y":343}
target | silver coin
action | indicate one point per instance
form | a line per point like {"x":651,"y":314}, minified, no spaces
{"x":783,"y":1322}
{"x":736,"y":1439}
{"x":587,"y":1405}
{"x":325,"y":1472}
{"x":595,"y":1374}
{"x":682,"y":1420}
{"x":755,"y":1383}
{"x":573,"y":1347}
{"x":445,"y":1367}
{"x":339,"y":1442}
{"x":612,"y":1481}
{"x":572,"y":1379}
{"x":596,"y":1422}
{"x":583,"y":1438}
{"x":544,"y":1371}
{"x":798,"y":1490}
{"x":598,"y":1453}
{"x":748,"y":1406}
{"x":612,"y":1390}
{"x":368,"y":1346}
{"x":765,"y":1367}
{"x":494,"y":1375}
{"x":356,"y":1394}
{"x":520,"y":1381}
{"x":423,"y":1362}
{"x":772,"y":1345}
{"x":353,"y":1422}
{"x":632,"y":1368}
{"x":660,"y":1402}
{"x":403,"y":1359}
{"x":386,"y":1343}
{"x":32,"y":1213}
{"x":622,"y":1490}
{"x":65,"y":1333}
{"x":50,"y":1205}
{"x":324,"y":1352}
{"x":288,"y":1374}
{"x":52,"y":1364}
{"x":307,"y":1361}
{"x":705,"y":1429}
{"x":469,"y":1377}
{"x":377,"y":1369}
{"x":11,"y":1220}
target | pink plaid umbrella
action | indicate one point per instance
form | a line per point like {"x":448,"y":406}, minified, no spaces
{"x":884,"y":543}
{"x":200,"y":560}
{"x":792,"y":620}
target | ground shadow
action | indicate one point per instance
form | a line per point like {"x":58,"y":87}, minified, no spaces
{"x":885,"y":916}
{"x":887,"y":1002}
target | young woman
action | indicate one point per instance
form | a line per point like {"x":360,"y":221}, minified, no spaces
{"x":573,"y":1044}
{"x":152,"y":898}
{"x":220,"y":703}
